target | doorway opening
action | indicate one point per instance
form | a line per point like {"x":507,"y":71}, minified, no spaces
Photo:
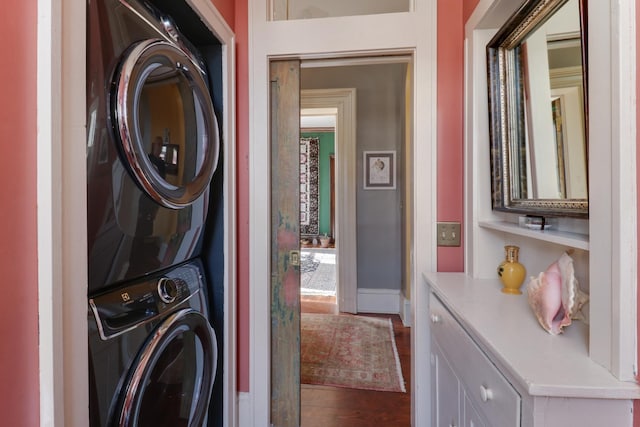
{"x":381,"y":227}
{"x":318,"y":245}
{"x":370,"y":217}
{"x":340,"y":105}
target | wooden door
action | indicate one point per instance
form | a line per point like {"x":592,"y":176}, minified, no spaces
{"x":285,"y":243}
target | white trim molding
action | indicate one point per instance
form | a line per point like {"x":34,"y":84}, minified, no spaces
{"x":612,"y":186}
{"x":624,"y":188}
{"x":384,"y":301}
{"x":218,"y":27}
{"x":411,"y":33}
{"x":245,"y":410}
{"x":344,"y":101}
{"x":405,"y":311}
{"x":61,"y":180}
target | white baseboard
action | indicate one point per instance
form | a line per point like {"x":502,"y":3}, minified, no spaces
{"x":384,"y":301}
{"x":405,"y":312}
{"x":245,"y":411}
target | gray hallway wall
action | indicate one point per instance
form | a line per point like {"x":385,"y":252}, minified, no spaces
{"x":380,"y":112}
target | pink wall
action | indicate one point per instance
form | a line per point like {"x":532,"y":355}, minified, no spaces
{"x":450,"y":126}
{"x":467,"y":9}
{"x":242,"y":152}
{"x":19,"y":395}
{"x":227,"y":9}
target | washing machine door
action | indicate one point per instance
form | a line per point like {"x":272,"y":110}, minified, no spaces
{"x":165,"y":122}
{"x":171,"y":381}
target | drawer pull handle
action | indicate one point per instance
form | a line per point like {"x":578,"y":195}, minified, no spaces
{"x":435,"y":318}
{"x":485,"y":393}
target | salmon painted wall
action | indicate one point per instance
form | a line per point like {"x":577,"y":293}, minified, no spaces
{"x":228,"y":10}
{"x":450,"y":126}
{"x":242,"y":153}
{"x":19,"y":388}
{"x":467,"y":8}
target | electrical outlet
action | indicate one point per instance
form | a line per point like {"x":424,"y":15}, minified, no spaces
{"x":448,"y":233}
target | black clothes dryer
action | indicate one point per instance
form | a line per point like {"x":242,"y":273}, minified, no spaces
{"x":152,"y":143}
{"x":152,"y":352}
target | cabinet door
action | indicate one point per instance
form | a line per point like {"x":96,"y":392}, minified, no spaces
{"x":471,"y":416}
{"x":445,"y":391}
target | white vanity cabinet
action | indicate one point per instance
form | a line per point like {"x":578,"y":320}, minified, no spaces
{"x":493,"y":365}
{"x":445,"y":391}
{"x":471,"y":416}
{"x":450,"y":400}
{"x":480,"y":384}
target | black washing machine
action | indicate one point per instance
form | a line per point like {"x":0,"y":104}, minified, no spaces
{"x":153,"y":147}
{"x":152,"y":352}
{"x":152,"y":143}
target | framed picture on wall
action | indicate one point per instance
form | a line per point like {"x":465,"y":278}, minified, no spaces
{"x":379,"y":170}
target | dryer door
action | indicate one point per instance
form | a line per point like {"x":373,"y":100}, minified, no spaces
{"x":165,"y":122}
{"x":172,"y":378}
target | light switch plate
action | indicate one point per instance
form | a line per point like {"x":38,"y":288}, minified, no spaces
{"x":448,"y":233}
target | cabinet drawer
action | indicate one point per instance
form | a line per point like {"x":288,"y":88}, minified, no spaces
{"x":485,"y":386}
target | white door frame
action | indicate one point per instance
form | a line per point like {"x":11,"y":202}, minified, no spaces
{"x":411,"y":33}
{"x":344,"y":100}
{"x":218,"y":26}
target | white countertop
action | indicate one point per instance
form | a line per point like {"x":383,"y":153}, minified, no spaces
{"x":505,"y":327}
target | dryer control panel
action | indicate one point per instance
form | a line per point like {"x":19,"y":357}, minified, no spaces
{"x":133,"y":305}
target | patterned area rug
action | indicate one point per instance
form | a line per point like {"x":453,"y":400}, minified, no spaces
{"x":350,"y":351}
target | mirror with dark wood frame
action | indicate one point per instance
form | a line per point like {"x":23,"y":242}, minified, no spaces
{"x":538,"y":110}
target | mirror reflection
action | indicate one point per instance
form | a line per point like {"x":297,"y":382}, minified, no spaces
{"x":538,"y":110}
{"x":556,"y":166}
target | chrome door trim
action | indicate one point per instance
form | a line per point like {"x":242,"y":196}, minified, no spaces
{"x":179,"y":322}
{"x":126,"y":118}
{"x":105,"y":337}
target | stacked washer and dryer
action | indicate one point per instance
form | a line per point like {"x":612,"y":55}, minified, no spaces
{"x":152,"y":150}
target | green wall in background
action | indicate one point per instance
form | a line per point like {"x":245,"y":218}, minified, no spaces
{"x":327,"y":148}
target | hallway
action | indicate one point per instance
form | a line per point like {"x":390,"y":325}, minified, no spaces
{"x":324,"y":406}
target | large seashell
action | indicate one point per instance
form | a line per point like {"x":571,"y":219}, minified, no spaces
{"x":573,"y":299}
{"x":555,"y":296}
{"x":545,"y":298}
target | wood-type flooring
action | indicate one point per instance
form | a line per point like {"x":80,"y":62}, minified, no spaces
{"x":324,"y":406}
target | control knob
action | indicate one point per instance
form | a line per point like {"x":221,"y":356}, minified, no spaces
{"x":167,"y":290}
